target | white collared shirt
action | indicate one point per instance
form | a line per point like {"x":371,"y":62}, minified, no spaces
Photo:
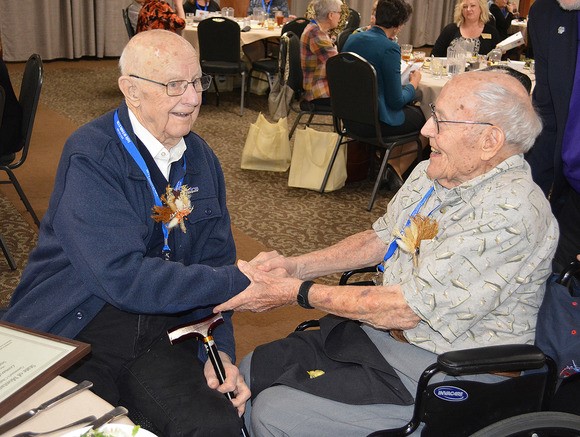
{"x":162,"y":157}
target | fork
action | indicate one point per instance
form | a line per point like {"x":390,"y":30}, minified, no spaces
{"x":70,"y":425}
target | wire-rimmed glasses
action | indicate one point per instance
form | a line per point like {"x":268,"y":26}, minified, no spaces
{"x":437,"y":120}
{"x":177,"y":87}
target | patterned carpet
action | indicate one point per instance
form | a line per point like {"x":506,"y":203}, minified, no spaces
{"x":261,"y":204}
{"x":20,"y":238}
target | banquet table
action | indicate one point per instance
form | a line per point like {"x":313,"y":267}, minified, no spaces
{"x":83,"y":404}
{"x":431,"y":86}
{"x":519,"y":26}
{"x":254,"y":34}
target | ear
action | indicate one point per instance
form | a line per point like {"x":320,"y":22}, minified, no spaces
{"x":129,"y":90}
{"x":493,"y":142}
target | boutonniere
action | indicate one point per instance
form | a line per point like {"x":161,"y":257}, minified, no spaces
{"x":176,"y":207}
{"x":420,"y":228}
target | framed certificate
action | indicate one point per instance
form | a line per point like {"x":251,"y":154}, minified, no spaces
{"x":29,"y":359}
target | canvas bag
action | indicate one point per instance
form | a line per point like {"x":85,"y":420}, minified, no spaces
{"x":267,"y":146}
{"x":558,"y":326}
{"x":281,"y":94}
{"x":310,"y":158}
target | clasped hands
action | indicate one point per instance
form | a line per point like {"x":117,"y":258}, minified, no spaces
{"x":274,"y":282}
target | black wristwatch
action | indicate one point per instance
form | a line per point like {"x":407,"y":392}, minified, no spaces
{"x":302,"y":297}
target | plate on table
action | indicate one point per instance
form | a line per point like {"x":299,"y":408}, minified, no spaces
{"x":113,"y":430}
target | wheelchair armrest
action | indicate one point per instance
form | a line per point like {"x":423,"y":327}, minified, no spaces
{"x":503,"y":358}
{"x":346,"y":276}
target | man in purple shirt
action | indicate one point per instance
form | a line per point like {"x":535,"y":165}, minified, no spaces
{"x":555,"y":158}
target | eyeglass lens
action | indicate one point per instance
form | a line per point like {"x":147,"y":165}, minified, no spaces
{"x":178,"y":87}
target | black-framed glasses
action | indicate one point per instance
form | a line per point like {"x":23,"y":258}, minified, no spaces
{"x":437,"y":120}
{"x":178,"y":87}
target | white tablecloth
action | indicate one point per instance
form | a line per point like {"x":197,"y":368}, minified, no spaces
{"x":83,"y":404}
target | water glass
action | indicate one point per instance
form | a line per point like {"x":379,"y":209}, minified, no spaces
{"x":406,"y":51}
{"x":437,"y":67}
{"x":189,"y":19}
{"x":494,"y":57}
{"x":455,"y":60}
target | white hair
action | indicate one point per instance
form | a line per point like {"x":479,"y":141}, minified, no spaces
{"x":511,"y":111}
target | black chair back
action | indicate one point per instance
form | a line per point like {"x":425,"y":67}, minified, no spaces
{"x":28,"y":98}
{"x":353,"y":86}
{"x":295,"y":72}
{"x":342,"y":37}
{"x":2,"y":100}
{"x":353,"y":21}
{"x":128,"y":25}
{"x":219,"y":40}
{"x":296,"y":26}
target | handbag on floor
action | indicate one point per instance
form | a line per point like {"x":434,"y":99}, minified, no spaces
{"x":558,"y":326}
{"x":281,"y":94}
{"x":310,"y":158}
{"x":267,"y":146}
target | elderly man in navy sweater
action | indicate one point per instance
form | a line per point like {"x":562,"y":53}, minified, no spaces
{"x":137,"y":240}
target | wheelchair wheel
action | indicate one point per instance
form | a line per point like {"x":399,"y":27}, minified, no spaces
{"x":542,"y":424}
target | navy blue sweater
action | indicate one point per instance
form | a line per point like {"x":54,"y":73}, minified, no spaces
{"x":94,"y":239}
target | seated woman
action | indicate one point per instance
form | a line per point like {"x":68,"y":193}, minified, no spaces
{"x":316,"y":48}
{"x":190,"y":6}
{"x":502,"y":22}
{"x":377,"y":46}
{"x":157,"y":14}
{"x":471,"y":24}
{"x":269,"y":6}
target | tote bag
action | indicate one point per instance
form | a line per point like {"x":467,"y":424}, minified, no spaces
{"x":267,"y":146}
{"x":312,"y":153}
{"x":558,"y":326}
{"x":281,"y":94}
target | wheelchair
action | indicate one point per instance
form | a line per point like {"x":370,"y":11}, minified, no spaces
{"x":535,"y":403}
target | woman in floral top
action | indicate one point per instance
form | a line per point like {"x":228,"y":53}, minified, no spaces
{"x":156,"y":14}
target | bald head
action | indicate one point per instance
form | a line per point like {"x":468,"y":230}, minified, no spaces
{"x":153,"y":52}
{"x":500,"y":99}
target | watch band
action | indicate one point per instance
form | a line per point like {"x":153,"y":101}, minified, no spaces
{"x":302,"y":297}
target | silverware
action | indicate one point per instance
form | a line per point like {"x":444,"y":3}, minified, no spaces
{"x":70,"y":425}
{"x":107,"y":417}
{"x":44,"y":406}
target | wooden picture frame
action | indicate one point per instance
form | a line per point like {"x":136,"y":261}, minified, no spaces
{"x":29,"y":359}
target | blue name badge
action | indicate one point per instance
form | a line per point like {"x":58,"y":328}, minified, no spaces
{"x":450,"y":393}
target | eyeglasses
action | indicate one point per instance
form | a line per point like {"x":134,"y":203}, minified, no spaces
{"x":178,"y":87}
{"x":437,"y":121}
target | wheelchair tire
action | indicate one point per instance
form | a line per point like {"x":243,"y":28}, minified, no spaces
{"x":546,"y":423}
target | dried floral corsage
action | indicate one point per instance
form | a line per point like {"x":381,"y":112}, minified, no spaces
{"x":420,"y":228}
{"x":176,"y":207}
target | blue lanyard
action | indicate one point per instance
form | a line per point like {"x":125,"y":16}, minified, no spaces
{"x":198,"y":7}
{"x":134,"y":152}
{"x":394,"y":245}
{"x":269,"y":6}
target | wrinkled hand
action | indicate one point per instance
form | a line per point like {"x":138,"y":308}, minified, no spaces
{"x":274,"y":263}
{"x":234,"y":382}
{"x":265,"y":292}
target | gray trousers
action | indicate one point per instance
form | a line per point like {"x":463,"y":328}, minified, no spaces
{"x":284,"y":411}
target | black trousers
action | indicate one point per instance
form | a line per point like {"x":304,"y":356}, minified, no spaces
{"x":569,"y":221}
{"x":133,"y":364}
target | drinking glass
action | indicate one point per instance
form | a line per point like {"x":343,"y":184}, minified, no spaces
{"x":189,"y":19}
{"x":270,"y":24}
{"x":406,"y":50}
{"x":279,"y":18}
{"x":437,"y":67}
{"x":494,"y":57}
{"x":419,"y":56}
{"x":455,"y":60}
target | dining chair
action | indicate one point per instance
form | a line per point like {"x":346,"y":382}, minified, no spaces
{"x":29,"y":94}
{"x":128,"y":25}
{"x":342,"y":37}
{"x":3,"y":246}
{"x":353,"y":21}
{"x":296,"y":26}
{"x":295,"y":82}
{"x":355,"y":107}
{"x":219,"y":52}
